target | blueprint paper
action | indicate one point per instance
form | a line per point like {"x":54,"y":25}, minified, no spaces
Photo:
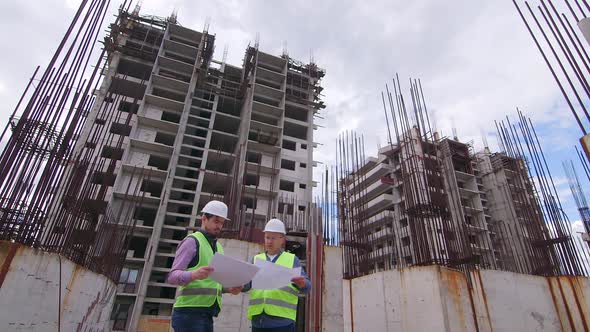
{"x":230,"y":272}
{"x":273,"y":276}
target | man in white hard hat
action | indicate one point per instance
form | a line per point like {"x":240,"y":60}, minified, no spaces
{"x":199,"y":297}
{"x":276,"y":309}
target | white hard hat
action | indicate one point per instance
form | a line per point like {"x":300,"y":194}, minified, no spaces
{"x":216,"y":208}
{"x":276,"y":226}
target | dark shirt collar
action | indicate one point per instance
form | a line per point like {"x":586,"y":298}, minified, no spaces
{"x":276,"y":257}
{"x":209,"y":237}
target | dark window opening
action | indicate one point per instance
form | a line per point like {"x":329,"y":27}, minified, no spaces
{"x":288,"y":164}
{"x":287,"y":185}
{"x":289,"y":145}
{"x":285,"y":208}
{"x":165,"y":139}
{"x":125,"y":106}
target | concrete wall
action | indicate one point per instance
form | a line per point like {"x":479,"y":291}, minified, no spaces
{"x":30,"y":292}
{"x":433,"y":298}
{"x":332,"y":319}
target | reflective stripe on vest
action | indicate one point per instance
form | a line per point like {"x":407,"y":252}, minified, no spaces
{"x":273,"y":302}
{"x":200,"y":293}
{"x":280,"y":302}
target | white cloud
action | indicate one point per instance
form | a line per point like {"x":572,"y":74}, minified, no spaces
{"x":577,"y":226}
{"x":475,"y":59}
{"x":72,"y":4}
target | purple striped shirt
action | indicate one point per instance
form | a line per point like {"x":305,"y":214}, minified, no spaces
{"x":187,"y":249}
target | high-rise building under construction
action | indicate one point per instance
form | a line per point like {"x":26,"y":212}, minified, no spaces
{"x":185,"y":128}
{"x":431,"y":200}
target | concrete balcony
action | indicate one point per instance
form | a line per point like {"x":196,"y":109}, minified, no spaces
{"x":180,"y":48}
{"x":370,"y":162}
{"x":373,"y":175}
{"x":150,"y":171}
{"x":169,"y":83}
{"x":134,"y":259}
{"x":479,"y":247}
{"x":270,"y":75}
{"x":174,"y":65}
{"x":379,"y":204}
{"x":260,"y":191}
{"x":157,"y":123}
{"x":297,"y":122}
{"x":142,"y":231}
{"x":179,"y":57}
{"x":147,"y":198}
{"x":476,"y":229}
{"x":165,"y":103}
{"x":269,"y":92}
{"x":463,"y":176}
{"x":151,"y":146}
{"x":272,"y":84}
{"x":271,"y":62}
{"x":159,"y":300}
{"x":254,"y":168}
{"x":265,"y":128}
{"x":161,"y":269}
{"x":375,"y":189}
{"x":261,"y":147}
{"x":471,"y":210}
{"x":267,"y":109}
{"x":468,"y":193}
{"x":379,"y":220}
{"x":185,"y":35}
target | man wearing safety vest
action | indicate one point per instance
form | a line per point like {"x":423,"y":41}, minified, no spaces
{"x":199,"y":297}
{"x":276,"y":309}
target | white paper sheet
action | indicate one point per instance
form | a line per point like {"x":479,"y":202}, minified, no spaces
{"x":273,"y":276}
{"x":230,"y":272}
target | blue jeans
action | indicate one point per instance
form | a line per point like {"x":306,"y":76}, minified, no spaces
{"x":191,"y":322}
{"x":289,"y":328}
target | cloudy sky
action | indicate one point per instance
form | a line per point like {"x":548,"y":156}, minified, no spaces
{"x":475,"y":59}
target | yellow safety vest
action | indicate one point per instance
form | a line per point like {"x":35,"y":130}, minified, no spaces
{"x":201,"y":293}
{"x":280,"y":302}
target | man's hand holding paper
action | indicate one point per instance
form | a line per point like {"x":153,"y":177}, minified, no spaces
{"x":273,"y":276}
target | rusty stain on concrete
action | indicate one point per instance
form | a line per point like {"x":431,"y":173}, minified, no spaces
{"x":567,"y":307}
{"x":555,"y":303}
{"x":484,"y":298}
{"x":7,"y":260}
{"x":454,"y":282}
{"x":89,"y":311}
{"x":71,"y":284}
{"x":576,"y":291}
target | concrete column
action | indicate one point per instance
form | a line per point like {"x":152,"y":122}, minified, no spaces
{"x":332,"y":292}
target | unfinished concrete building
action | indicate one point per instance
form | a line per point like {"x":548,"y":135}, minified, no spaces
{"x":424,"y":202}
{"x":186,"y":129}
{"x":517,"y":217}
